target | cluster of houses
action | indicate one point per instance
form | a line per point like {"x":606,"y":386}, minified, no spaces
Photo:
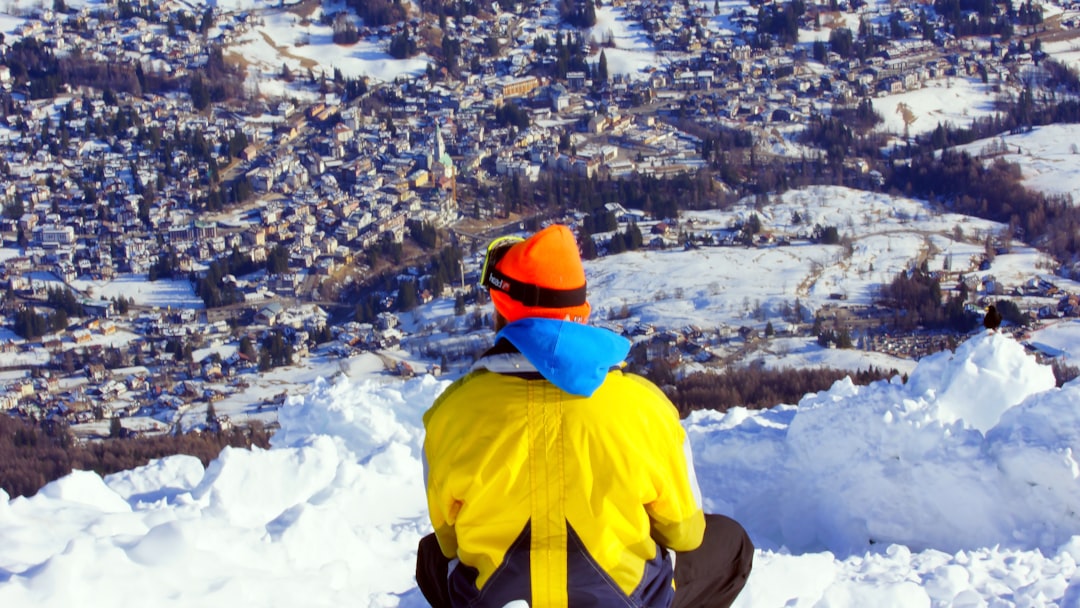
{"x":90,"y":373}
{"x":330,"y":179}
{"x":344,"y":179}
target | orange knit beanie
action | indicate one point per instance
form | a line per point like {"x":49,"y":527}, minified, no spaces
{"x":550,"y":261}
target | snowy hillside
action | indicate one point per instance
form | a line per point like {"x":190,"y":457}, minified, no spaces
{"x":956,"y":489}
{"x":1046,"y":156}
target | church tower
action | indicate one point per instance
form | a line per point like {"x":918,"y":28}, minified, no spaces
{"x":443,"y":171}
{"x":440,"y":145}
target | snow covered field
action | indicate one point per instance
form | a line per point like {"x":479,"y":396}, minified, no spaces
{"x":163,"y":293}
{"x":955,"y":489}
{"x":953,"y":101}
{"x":714,"y":285}
{"x":1048,"y":156}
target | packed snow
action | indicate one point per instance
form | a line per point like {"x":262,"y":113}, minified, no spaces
{"x":957,"y":488}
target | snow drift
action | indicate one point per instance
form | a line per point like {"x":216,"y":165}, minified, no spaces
{"x":958,"y":488}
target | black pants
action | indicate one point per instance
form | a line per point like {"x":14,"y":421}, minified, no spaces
{"x":710,"y":576}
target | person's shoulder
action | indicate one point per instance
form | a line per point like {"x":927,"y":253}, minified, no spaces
{"x":636,"y":381}
{"x":641,"y":399}
{"x":634,"y":386}
{"x":452,"y":393}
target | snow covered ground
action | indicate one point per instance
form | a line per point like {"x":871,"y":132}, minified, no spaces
{"x":958,"y":488}
{"x":282,"y":37}
{"x":713,"y":286}
{"x":632,"y":53}
{"x":163,"y":293}
{"x":1047,"y":156}
{"x":953,"y":101}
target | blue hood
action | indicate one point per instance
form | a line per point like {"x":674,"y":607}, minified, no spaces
{"x":572,"y":356}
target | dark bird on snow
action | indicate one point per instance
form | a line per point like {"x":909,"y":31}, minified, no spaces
{"x":992,"y":320}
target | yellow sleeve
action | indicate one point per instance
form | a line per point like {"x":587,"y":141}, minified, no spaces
{"x":678,"y":521}
{"x":442,"y":507}
{"x":676,"y":515}
{"x":443,"y":512}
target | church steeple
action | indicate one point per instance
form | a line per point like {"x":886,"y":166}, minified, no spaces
{"x":443,"y":165}
{"x":442,"y":168}
{"x":440,"y":146}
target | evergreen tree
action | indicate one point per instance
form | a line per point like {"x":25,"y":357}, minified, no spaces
{"x":59,"y":320}
{"x":586,"y":245}
{"x":115,"y":427}
{"x":200,"y":93}
{"x":406,"y":298}
{"x":459,"y":304}
{"x":634,"y":239}
{"x":277,"y":262}
{"x":247,"y":348}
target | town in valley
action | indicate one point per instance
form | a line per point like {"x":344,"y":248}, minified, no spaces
{"x":185,"y":211}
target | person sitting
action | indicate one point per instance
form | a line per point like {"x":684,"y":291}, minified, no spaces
{"x":554,"y":477}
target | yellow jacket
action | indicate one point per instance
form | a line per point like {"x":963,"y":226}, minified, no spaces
{"x":555,"y":498}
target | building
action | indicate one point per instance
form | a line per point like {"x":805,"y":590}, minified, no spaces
{"x":269,"y":314}
{"x":519,"y":86}
{"x":57,"y":235}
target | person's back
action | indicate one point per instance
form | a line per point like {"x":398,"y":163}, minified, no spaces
{"x":553,"y":477}
{"x":555,"y":498}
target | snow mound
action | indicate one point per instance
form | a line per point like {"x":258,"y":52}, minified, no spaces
{"x":958,"y":488}
{"x":982,"y":380}
{"x":161,"y":479}
{"x":856,"y":467}
{"x":88,"y":489}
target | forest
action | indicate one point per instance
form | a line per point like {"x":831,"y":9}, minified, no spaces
{"x":32,"y":455}
{"x":44,"y":75}
{"x":915,"y":299}
{"x":754,"y":387}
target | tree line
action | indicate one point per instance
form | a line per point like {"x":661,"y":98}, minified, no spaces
{"x":212,"y":288}
{"x":759,"y":388}
{"x":753,"y":387}
{"x":33,"y":455}
{"x":993,"y":191}
{"x":35,"y":68}
{"x":578,"y":13}
{"x":660,"y":197}
{"x":29,"y":324}
{"x":377,"y":13}
{"x":915,"y":297}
